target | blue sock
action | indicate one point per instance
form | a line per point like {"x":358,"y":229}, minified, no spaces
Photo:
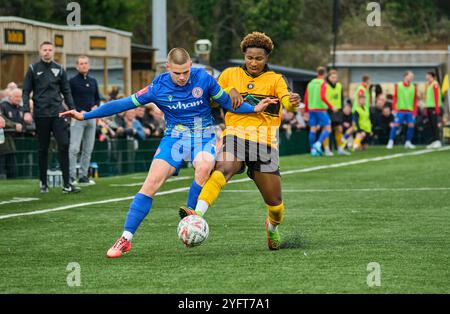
{"x":194,"y":192}
{"x":393,"y":133}
{"x":410,"y":134}
{"x":312,"y":138}
{"x":323,"y":136}
{"x":139,"y":209}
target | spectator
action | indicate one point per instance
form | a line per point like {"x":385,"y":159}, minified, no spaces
{"x":106,"y":129}
{"x":48,"y":80}
{"x":13,"y":117}
{"x":86,"y":98}
{"x":132,"y":128}
{"x":383,"y":126}
{"x":114,"y":94}
{"x":347,"y":125}
{"x":289,"y":123}
{"x":143,"y":117}
{"x":376,"y":111}
{"x":157,"y":123}
{"x":389,"y":100}
{"x":4,"y":95}
{"x":11,"y":86}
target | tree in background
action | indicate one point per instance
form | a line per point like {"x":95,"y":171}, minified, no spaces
{"x":301,"y":29}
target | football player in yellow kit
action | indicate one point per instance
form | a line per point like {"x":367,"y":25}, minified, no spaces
{"x":251,"y":140}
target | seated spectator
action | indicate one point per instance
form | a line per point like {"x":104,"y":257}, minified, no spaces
{"x":114,"y":93}
{"x":156,"y":121}
{"x":105,"y":129}
{"x":132,"y":128}
{"x":347,"y":125}
{"x":289,"y":123}
{"x":12,"y":114}
{"x":389,"y":100}
{"x":383,"y":127}
{"x":143,"y":118}
{"x":377,"y":110}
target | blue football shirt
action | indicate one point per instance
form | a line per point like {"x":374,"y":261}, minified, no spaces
{"x":186,"y":108}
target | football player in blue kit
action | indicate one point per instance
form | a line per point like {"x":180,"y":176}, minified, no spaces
{"x":183,"y":94}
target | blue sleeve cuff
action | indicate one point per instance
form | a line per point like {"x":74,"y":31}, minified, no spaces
{"x":224,"y":100}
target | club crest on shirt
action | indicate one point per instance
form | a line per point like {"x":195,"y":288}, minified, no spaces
{"x":250,"y":86}
{"x":197,"y":92}
{"x":55,"y":72}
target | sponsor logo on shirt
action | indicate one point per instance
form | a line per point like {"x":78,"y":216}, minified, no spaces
{"x":182,"y":106}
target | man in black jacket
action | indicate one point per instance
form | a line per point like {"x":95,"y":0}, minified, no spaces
{"x":48,"y":80}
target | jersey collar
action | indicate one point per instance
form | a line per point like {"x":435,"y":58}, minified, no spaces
{"x":266,"y":69}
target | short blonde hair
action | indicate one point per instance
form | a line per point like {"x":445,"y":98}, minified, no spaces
{"x":178,"y":56}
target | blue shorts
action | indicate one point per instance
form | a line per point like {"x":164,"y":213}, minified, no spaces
{"x":319,"y":118}
{"x":404,"y":117}
{"x":177,"y":150}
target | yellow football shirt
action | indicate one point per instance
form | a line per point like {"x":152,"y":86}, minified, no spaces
{"x":257,"y":127}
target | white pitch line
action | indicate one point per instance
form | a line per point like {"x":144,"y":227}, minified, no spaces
{"x":20,"y":200}
{"x":140,"y":183}
{"x":346,"y":190}
{"x":338,"y":165}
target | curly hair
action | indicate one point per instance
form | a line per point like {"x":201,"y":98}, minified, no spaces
{"x":257,"y":40}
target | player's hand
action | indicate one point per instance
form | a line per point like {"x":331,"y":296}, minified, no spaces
{"x":72,"y":114}
{"x":263,"y":104}
{"x":236,"y":98}
{"x":18,"y":127}
{"x":295,"y":99}
{"x":28,"y":118}
{"x":2,"y":123}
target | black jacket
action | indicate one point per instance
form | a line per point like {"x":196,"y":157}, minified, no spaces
{"x":84,"y":92}
{"x":47,"y":81}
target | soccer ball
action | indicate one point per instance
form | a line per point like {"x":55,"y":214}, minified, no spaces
{"x":193,"y":230}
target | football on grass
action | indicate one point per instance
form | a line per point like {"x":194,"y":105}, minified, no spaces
{"x":193,"y":230}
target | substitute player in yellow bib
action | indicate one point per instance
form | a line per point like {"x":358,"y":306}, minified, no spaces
{"x":251,"y":140}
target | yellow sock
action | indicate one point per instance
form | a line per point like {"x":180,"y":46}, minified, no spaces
{"x":276,"y":214}
{"x":338,"y":136}
{"x":357,"y":143}
{"x":212,"y":188}
{"x":326,"y":143}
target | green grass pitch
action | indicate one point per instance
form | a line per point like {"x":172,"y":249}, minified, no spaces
{"x":394,"y":212}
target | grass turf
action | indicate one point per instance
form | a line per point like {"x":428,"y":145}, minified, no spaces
{"x":329,"y":236}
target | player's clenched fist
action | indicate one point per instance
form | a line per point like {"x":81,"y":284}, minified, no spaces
{"x":294,"y":99}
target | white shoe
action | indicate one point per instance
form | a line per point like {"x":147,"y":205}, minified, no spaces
{"x":390,"y":144}
{"x":343,"y":152}
{"x":435,"y":144}
{"x":328,"y":153}
{"x":409,"y":145}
